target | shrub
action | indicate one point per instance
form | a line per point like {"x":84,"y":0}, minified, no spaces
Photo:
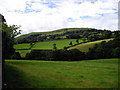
{"x":16,"y":55}
{"x":39,"y":54}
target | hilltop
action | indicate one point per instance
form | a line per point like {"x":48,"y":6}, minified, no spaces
{"x":65,"y":33}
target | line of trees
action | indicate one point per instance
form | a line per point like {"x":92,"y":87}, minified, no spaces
{"x":110,"y":49}
{"x":56,"y":55}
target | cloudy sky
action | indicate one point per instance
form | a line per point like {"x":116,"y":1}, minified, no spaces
{"x":47,"y":15}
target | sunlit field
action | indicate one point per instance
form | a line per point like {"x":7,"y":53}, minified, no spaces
{"x":85,"y":46}
{"x":60,"y":44}
{"x":102,"y":73}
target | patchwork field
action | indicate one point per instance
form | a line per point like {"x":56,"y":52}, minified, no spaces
{"x":60,"y":44}
{"x":58,"y":74}
{"x":48,"y":44}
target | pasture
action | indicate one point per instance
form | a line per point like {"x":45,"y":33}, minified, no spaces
{"x":22,"y":46}
{"x":85,"y":46}
{"x":60,"y":44}
{"x":101,"y":73}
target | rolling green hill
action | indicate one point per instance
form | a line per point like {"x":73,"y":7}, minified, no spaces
{"x":59,"y":31}
{"x":101,"y":73}
{"x":65,"y":33}
{"x":62,"y":38}
{"x":85,"y":46}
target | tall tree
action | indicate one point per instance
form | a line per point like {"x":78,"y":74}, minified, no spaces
{"x":8,"y":35}
{"x":70,"y":43}
{"x":77,"y":41}
{"x":2,"y":19}
{"x":54,"y":47}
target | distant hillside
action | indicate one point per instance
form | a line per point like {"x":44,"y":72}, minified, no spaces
{"x":65,"y":33}
{"x":59,"y":31}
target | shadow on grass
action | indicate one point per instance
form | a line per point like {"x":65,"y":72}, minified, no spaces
{"x":13,"y":78}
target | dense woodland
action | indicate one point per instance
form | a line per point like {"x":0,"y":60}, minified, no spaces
{"x":110,"y":49}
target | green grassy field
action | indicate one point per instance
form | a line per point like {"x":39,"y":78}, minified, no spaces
{"x":44,"y":45}
{"x":60,"y":44}
{"x":23,"y":52}
{"x":58,"y":74}
{"x":85,"y":46}
{"x":47,"y":44}
{"x":22,"y":46}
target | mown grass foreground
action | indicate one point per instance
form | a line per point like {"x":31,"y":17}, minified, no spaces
{"x":101,"y":73}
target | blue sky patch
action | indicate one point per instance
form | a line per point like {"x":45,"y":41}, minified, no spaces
{"x":85,"y":17}
{"x":105,"y":14}
{"x":70,"y":20}
{"x":92,"y":1}
{"x":78,"y":2}
{"x":82,"y":1}
{"x":50,"y":4}
{"x":114,"y":9}
{"x":31,"y":10}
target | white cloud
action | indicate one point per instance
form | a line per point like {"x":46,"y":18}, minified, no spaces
{"x":100,"y":14}
{"x":13,"y":4}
